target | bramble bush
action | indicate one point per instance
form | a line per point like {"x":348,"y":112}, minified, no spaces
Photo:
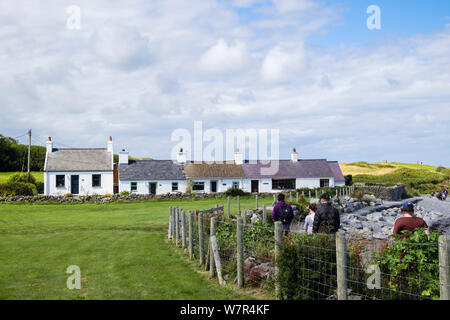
{"x":10,"y":189}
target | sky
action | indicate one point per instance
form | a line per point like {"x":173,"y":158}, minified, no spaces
{"x":140,"y":70}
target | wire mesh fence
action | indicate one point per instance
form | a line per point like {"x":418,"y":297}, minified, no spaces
{"x":317,"y":266}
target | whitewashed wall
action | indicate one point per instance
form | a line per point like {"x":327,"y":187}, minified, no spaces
{"x":143,"y":187}
{"x":85,"y":183}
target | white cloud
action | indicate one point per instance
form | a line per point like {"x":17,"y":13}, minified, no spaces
{"x":280,"y":64}
{"x":284,"y":6}
{"x":224,"y":58}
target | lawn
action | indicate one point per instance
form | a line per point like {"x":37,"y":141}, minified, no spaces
{"x":4,"y":176}
{"x":121,"y":249}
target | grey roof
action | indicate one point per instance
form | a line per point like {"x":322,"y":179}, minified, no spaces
{"x":78,"y":159}
{"x":288,"y":169}
{"x":337,"y":172}
{"x":151,"y":170}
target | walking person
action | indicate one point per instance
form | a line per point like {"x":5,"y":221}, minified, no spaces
{"x":444,"y":194}
{"x":326,"y":219}
{"x":283,"y":212}
{"x":409,"y":221}
{"x":309,"y":220}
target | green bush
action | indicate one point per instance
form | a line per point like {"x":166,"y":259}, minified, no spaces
{"x":124,"y":193}
{"x":17,"y":189}
{"x":348,"y":180}
{"x":22,"y":177}
{"x":412,"y":264}
{"x":307,"y":268}
{"x":40,"y":187}
{"x":234,"y":192}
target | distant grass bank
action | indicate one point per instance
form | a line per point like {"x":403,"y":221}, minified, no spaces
{"x":4,"y":176}
{"x":418,"y":179}
{"x":121,"y":249}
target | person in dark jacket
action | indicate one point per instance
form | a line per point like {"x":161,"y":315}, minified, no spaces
{"x":326,"y":219}
{"x":277,"y":212}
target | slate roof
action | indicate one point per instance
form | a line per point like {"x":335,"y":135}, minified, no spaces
{"x":151,"y":170}
{"x":213,"y":170}
{"x":288,"y":169}
{"x":337,"y":172}
{"x":78,"y":159}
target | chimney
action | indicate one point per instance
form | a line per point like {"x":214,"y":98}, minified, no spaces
{"x":49,"y":145}
{"x":181,"y":157}
{"x":294,"y":155}
{"x":123,"y":158}
{"x":238,"y":157}
{"x":110,"y":145}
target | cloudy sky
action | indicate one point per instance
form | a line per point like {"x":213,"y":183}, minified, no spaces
{"x":139,"y":69}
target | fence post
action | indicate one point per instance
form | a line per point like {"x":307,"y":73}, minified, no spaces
{"x":183,"y":229}
{"x":228,"y":203}
{"x":191,"y":235}
{"x":290,"y":196}
{"x":240,"y":252}
{"x":239,"y":204}
{"x":444,"y":266}
{"x":264,"y":214}
{"x":170,"y":223}
{"x":244,"y":217}
{"x":278,"y":242}
{"x":296,"y":196}
{"x":257,"y":202}
{"x":201,"y":239}
{"x":211,"y":257}
{"x":316,"y":194}
{"x":341,"y":266}
{"x":177,"y":226}
{"x":274,"y":201}
{"x":309,"y":194}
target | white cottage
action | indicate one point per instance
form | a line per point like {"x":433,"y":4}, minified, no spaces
{"x":79,"y":171}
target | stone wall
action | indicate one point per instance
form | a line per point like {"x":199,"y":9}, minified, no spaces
{"x":396,"y":193}
{"x":116,"y":197}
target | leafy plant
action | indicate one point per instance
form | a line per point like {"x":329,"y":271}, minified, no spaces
{"x":17,"y":189}
{"x":124,"y":193}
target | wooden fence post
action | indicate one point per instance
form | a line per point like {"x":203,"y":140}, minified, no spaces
{"x":264,"y":214}
{"x":309,"y":194}
{"x":170,"y":223}
{"x":201,"y":238}
{"x":296,"y":196}
{"x":278,"y":243}
{"x":244,"y":217}
{"x":239,"y":204}
{"x":274,"y":200}
{"x":228,"y":203}
{"x":240,"y":252}
{"x":211,"y":257}
{"x":191,"y":235}
{"x":177,"y":226}
{"x":341,"y":266}
{"x":316,"y":194}
{"x":257,"y":202}
{"x":183,"y":229}
{"x":444,"y":266}
{"x":290,"y":196}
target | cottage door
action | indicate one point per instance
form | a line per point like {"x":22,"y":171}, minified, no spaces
{"x":213,"y":186}
{"x":74,"y":184}
{"x":255,"y":186}
{"x":152,"y":188}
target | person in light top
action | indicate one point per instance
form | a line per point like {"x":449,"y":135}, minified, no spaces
{"x":309,"y":220}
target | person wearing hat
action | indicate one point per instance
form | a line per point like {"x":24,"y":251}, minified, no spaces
{"x":409,"y":221}
{"x":326,"y":219}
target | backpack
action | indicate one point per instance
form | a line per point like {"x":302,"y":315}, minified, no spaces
{"x":285,"y":213}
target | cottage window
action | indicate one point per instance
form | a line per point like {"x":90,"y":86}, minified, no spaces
{"x":60,"y":181}
{"x":283,"y":184}
{"x":96,"y":180}
{"x":198,"y":186}
{"x":134,"y":187}
{"x":324,"y":183}
{"x":174,"y":186}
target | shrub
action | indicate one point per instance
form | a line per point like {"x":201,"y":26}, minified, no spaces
{"x":68,"y":194}
{"x":22,"y":177}
{"x":235,"y":192}
{"x":412,"y":264}
{"x":124,"y":193}
{"x":40,"y":187}
{"x":17,"y":189}
{"x":348,"y":180}
{"x":108,"y":195}
{"x":189,"y":186}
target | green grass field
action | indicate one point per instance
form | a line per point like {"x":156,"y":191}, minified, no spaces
{"x":121,"y":249}
{"x":4,"y":176}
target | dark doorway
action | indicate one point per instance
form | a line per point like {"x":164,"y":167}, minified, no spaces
{"x":255,"y":186}
{"x":152,"y":187}
{"x":74,"y":184}
{"x":213,"y":186}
